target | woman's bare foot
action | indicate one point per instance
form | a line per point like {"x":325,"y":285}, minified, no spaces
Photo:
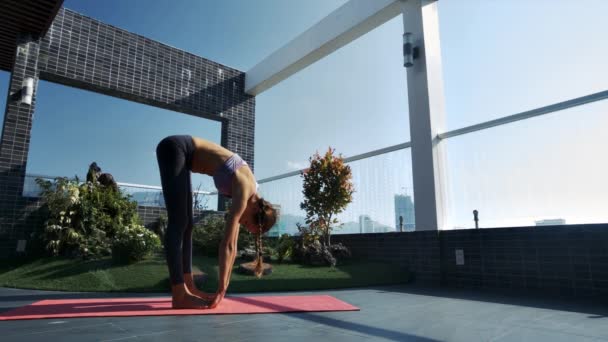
{"x":189,"y":301}
{"x":201,"y":294}
{"x":184,"y":299}
{"x":189,"y":281}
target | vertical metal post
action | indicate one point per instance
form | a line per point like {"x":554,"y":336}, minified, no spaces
{"x":426,"y":112}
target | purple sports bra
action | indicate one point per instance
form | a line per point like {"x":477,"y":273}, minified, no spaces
{"x":224,"y":174}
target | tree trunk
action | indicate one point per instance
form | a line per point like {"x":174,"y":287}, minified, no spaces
{"x":327,"y":231}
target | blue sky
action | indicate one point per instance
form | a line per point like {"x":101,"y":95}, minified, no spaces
{"x":499,"y":58}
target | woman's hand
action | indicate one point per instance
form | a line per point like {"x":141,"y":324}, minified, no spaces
{"x":227,"y":249}
{"x":216,"y":300}
{"x":208,"y":297}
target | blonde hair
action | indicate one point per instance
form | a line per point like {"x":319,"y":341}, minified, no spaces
{"x":265,"y":218}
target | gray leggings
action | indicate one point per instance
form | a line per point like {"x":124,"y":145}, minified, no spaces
{"x":174,"y":155}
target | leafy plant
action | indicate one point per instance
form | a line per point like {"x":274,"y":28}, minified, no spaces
{"x":81,"y":219}
{"x":133,"y":243}
{"x":161,"y":226}
{"x":208,"y":234}
{"x":284,"y":248}
{"x":307,"y":234}
{"x":327,"y":190}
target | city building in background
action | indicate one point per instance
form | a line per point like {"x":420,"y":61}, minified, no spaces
{"x":404,"y":207}
{"x":550,"y":222}
{"x":366,"y":225}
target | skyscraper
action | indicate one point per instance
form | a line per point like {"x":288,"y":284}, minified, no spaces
{"x":366,"y":225}
{"x":404,"y":207}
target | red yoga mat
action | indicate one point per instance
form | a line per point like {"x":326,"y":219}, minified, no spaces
{"x":118,"y":307}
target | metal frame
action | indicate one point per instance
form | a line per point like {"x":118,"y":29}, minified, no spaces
{"x":424,"y":79}
{"x":556,"y":107}
{"x":527,"y":114}
{"x":427,"y":113}
{"x":347,"y":23}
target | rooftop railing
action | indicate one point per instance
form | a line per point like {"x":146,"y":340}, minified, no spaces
{"x":384,"y":189}
{"x":144,"y":195}
{"x":384,"y":200}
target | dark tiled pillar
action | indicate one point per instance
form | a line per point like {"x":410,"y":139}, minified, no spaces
{"x":238,"y":135}
{"x":222,"y":201}
{"x":14,"y":145}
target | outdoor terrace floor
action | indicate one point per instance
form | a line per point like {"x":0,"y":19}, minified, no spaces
{"x":392,"y":313}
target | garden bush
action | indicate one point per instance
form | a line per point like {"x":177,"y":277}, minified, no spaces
{"x":314,"y":254}
{"x":340,"y":252}
{"x":82,"y":219}
{"x":208,"y":233}
{"x":250,"y":253}
{"x":284,"y":248}
{"x":307,"y":249}
{"x":161,"y":226}
{"x":133,"y":243}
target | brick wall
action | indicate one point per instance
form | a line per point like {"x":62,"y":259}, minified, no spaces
{"x":417,"y":251}
{"x":81,"y":52}
{"x":560,"y":260}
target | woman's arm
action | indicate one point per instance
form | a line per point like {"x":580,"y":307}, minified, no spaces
{"x":227,"y":249}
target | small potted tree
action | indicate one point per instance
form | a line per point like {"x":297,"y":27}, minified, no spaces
{"x":327,"y":189}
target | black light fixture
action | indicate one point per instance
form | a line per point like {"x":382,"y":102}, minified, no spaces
{"x":476,"y":218}
{"x":410,"y":52}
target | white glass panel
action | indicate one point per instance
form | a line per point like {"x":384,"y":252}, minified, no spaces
{"x":549,"y":169}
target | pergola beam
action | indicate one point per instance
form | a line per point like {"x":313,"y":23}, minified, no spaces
{"x":342,"y":26}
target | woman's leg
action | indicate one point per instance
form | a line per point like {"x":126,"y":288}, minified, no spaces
{"x":187,"y":249}
{"x":175,"y":180}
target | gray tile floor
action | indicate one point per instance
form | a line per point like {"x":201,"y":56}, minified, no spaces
{"x":396,"y":313}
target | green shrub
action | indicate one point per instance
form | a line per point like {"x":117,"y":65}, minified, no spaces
{"x":268,"y":251}
{"x":285,"y":247}
{"x":82,"y":219}
{"x":307,"y":235}
{"x":207,"y":235}
{"x":161,"y":226}
{"x":209,"y":232}
{"x":133,"y":243}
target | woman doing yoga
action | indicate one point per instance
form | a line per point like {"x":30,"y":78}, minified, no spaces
{"x":178,"y":156}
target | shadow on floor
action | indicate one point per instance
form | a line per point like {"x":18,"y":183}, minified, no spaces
{"x":363,"y":329}
{"x":593,"y":306}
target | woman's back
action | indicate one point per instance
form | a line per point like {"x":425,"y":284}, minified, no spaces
{"x":208,"y":156}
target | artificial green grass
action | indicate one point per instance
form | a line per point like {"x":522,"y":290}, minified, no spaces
{"x":151,"y":275}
